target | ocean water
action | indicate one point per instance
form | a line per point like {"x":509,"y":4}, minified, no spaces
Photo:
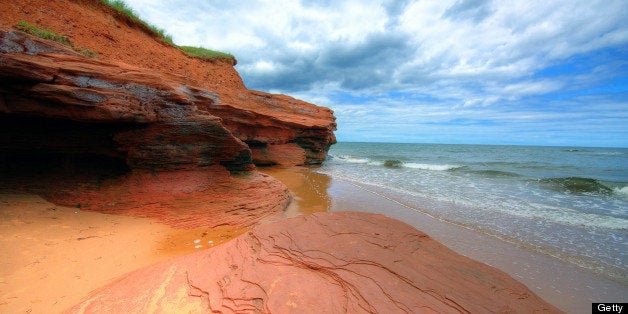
{"x":569,"y":203}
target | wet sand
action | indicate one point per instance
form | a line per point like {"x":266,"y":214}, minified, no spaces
{"x":567,"y":286}
{"x":309,"y":189}
{"x":52,"y":256}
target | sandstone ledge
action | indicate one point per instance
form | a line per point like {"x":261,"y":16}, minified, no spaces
{"x":341,"y":262}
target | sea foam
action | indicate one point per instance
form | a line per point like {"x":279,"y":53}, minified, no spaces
{"x":431,"y":167}
{"x":396,"y":163}
{"x":621,"y":191}
{"x":352,"y":159}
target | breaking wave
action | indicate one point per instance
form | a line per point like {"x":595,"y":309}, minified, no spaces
{"x":431,"y":167}
{"x":491,"y":173}
{"x":623,"y":191}
{"x":393,"y":163}
{"x":350,"y":159}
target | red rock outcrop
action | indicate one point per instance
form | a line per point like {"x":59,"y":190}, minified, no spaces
{"x":184,"y":199}
{"x":261,"y":120}
{"x":153,"y":119}
{"x":322,"y":263}
{"x":281,"y":154}
{"x":153,"y":130}
{"x":56,"y":103}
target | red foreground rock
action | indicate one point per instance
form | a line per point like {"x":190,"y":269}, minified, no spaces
{"x":323,"y":263}
{"x":187,"y":199}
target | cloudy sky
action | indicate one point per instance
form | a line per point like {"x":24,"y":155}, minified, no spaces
{"x":433,"y":71}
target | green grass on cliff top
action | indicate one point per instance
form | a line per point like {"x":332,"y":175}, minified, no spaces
{"x":196,"y":52}
{"x":208,"y":54}
{"x":121,"y":7}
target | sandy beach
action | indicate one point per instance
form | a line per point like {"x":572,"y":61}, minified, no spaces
{"x":53,"y":256}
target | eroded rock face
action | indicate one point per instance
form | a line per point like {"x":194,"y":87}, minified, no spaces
{"x":279,"y":154}
{"x":119,"y":139}
{"x":323,"y":263}
{"x":259,"y":119}
{"x":264,"y":120}
{"x":153,"y":119}
{"x":170,"y":122}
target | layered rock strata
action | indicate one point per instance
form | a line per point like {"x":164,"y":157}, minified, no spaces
{"x":149,"y":119}
{"x":322,"y":263}
{"x":263,"y":122}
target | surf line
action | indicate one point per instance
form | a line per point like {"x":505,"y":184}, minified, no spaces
{"x":421,"y":211}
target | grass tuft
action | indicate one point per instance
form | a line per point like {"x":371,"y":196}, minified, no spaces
{"x":50,"y":35}
{"x":42,"y":33}
{"x":207,"y":54}
{"x":86,"y":52}
{"x":122,"y":8}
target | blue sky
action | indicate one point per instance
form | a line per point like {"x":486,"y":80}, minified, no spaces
{"x":453,"y":71}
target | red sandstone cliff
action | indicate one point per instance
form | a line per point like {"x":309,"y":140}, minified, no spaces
{"x":64,"y":115}
{"x":271,"y":126}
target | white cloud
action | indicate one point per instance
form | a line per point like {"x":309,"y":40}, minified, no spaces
{"x":538,"y":87}
{"x":442,"y":39}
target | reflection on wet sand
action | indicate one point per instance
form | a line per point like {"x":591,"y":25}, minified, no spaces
{"x":309,"y":189}
{"x":181,"y":241}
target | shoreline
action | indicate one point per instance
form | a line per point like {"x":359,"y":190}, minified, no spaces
{"x":565,"y":285}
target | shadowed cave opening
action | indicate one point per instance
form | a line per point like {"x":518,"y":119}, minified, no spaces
{"x":37,"y":153}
